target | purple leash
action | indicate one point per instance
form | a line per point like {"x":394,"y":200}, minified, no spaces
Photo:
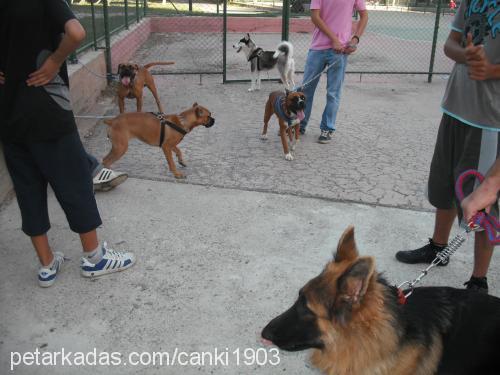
{"x":482,"y":219}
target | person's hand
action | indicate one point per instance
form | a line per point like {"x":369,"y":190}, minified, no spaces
{"x":352,"y":46}
{"x":480,"y":68}
{"x":481,"y":198}
{"x":46,"y":73}
{"x":337,"y":46}
{"x":2,"y":78}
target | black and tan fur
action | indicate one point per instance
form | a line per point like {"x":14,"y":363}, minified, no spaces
{"x":354,"y":323}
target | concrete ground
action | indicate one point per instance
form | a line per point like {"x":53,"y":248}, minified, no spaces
{"x":226,"y":250}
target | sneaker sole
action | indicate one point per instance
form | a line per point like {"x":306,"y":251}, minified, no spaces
{"x":440,"y":264}
{"x":107,"y":186}
{"x":46,"y":284}
{"x":93,"y":274}
{"x":323,"y":142}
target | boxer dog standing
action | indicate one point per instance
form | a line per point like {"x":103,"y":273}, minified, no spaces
{"x":133,"y":78}
{"x":289,"y":108}
{"x":155,"y":129}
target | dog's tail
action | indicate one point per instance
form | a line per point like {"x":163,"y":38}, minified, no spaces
{"x":284,"y":48}
{"x":147,"y":66}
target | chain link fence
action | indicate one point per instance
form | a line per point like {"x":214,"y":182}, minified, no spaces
{"x":403,"y":36}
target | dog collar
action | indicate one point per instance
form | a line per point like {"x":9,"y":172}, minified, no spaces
{"x":401,"y":297}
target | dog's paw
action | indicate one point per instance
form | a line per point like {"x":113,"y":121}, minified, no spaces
{"x":179,"y":175}
{"x":251,"y":89}
{"x":182,"y":163}
{"x":263,"y":137}
{"x":289,"y":156}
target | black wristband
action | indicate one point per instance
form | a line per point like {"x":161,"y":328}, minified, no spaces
{"x":355,"y":36}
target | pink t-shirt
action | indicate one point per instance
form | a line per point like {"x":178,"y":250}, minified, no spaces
{"x":337,"y":14}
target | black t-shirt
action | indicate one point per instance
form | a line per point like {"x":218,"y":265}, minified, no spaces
{"x":30,"y":30}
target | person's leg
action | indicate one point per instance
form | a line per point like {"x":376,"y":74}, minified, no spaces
{"x":31,"y":191}
{"x":335,"y":81}
{"x":65,"y":166}
{"x":441,"y":192}
{"x":442,"y":225}
{"x":42,"y":248}
{"x":315,"y":63}
{"x":483,"y":251}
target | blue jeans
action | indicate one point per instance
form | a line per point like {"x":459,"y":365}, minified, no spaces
{"x":317,"y":60}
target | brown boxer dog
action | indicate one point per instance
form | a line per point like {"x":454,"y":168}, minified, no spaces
{"x":133,"y":78}
{"x":155,"y":129}
{"x":289,"y":108}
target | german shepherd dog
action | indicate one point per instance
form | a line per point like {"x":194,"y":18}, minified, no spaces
{"x":357,"y":324}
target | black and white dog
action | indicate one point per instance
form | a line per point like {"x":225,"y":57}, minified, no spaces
{"x":261,"y":60}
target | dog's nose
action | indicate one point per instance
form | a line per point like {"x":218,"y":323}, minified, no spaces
{"x":267,"y":334}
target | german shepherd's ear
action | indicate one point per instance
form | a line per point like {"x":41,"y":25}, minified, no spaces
{"x":120,"y":66}
{"x":136,"y":67}
{"x":195,"y":104}
{"x":347,"y":249}
{"x":247,"y":37}
{"x":352,"y":286}
{"x":287,"y":92}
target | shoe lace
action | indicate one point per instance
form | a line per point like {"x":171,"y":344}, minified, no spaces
{"x":112,"y":254}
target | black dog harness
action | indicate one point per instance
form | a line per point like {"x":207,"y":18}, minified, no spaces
{"x":163,"y":122}
{"x":255,"y":55}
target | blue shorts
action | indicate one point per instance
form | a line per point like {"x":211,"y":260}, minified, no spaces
{"x":62,"y":163}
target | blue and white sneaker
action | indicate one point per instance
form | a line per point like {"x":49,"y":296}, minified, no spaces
{"x":47,"y":275}
{"x":112,"y":261}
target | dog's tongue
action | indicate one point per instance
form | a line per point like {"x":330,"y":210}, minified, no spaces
{"x":300,"y":115}
{"x":126,"y":81}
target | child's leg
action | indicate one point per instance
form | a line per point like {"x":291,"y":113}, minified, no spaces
{"x":42,"y":248}
{"x":89,"y":241}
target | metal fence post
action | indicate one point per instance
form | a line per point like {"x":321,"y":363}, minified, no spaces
{"x":107,"y":38}
{"x":145,"y":7}
{"x":285,"y":25}
{"x":125,"y":4}
{"x":190,"y":6}
{"x":224,"y":41}
{"x":94,"y":32}
{"x":434,"y":41}
{"x":137,"y":15}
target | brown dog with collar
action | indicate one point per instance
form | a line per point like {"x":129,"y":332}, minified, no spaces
{"x":165,"y":131}
{"x":133,"y":78}
{"x":289,"y":108}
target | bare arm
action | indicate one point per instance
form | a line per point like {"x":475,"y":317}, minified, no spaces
{"x":320,"y":24}
{"x":453,"y":49}
{"x":74,"y":34}
{"x":363,"y":21}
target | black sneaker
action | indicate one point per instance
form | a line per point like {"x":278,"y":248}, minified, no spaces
{"x":425,"y":254}
{"x":478,"y":284}
{"x":325,"y":136}
{"x":302,"y":130}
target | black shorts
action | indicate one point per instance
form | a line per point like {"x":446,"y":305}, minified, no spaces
{"x":62,"y":163}
{"x":459,"y":147}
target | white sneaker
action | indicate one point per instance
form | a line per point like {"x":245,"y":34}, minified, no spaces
{"x":47,"y":276}
{"x":112,"y":261}
{"x":108,"y":179}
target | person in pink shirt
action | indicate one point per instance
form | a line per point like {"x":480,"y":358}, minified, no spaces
{"x":333,"y":40}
